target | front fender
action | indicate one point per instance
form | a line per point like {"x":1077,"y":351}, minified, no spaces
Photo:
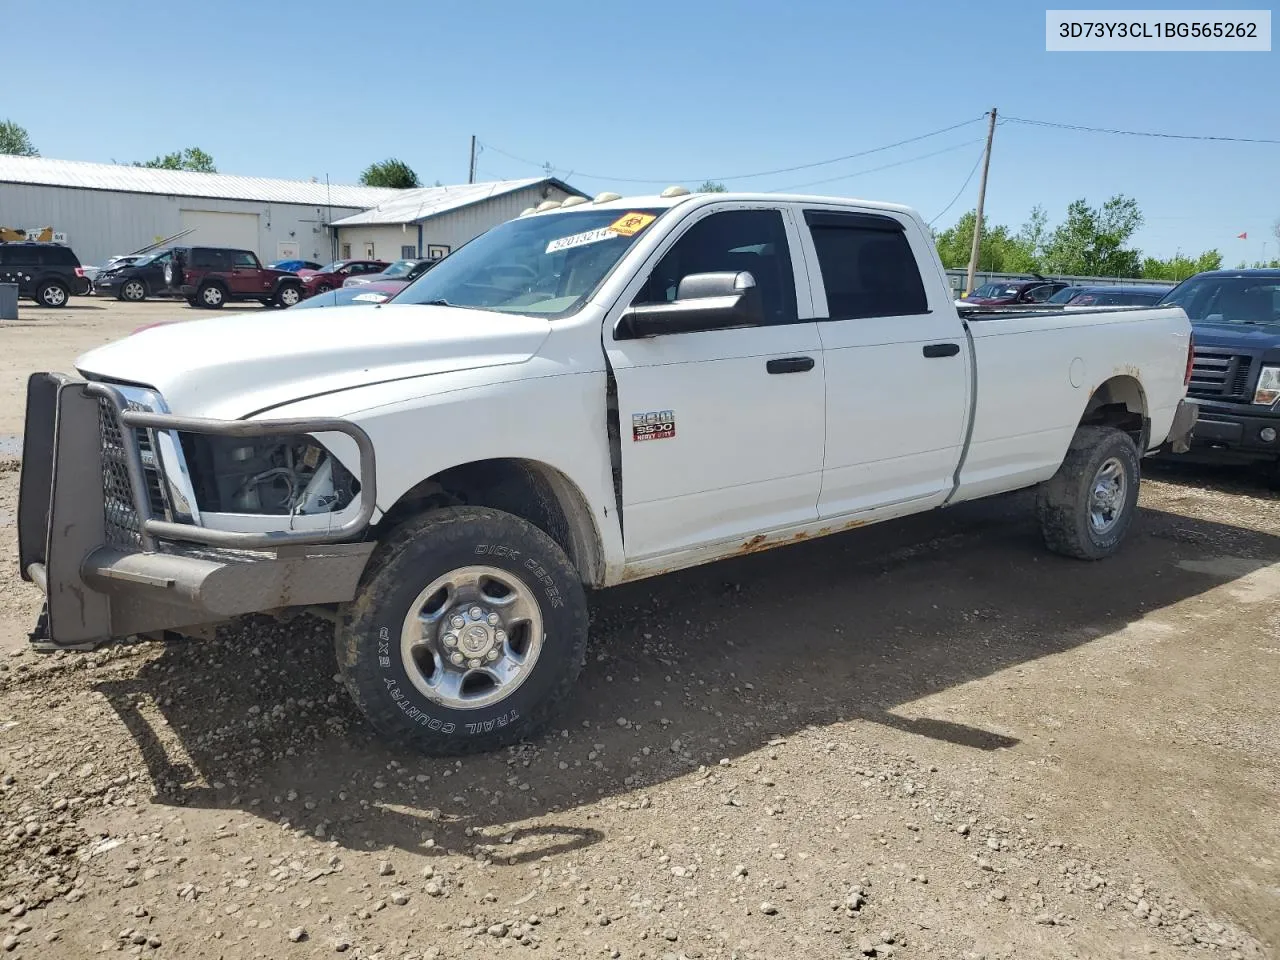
{"x":424,"y":426}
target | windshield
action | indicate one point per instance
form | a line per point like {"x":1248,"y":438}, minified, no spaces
{"x":991,"y":291}
{"x":331,"y":267}
{"x":1228,"y":299}
{"x":542,"y":266}
{"x":151,"y":258}
{"x":399,"y":269}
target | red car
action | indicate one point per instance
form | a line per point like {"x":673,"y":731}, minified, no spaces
{"x":210,"y":276}
{"x":1008,"y":292}
{"x":331,"y":277}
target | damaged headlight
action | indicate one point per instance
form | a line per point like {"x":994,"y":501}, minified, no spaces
{"x":280,"y":476}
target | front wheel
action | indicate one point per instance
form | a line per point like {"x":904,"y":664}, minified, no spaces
{"x":288,"y":296}
{"x":467,"y":632}
{"x":1086,"y":508}
{"x":134,"y":291}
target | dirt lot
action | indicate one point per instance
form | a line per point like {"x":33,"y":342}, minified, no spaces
{"x":926,"y":739}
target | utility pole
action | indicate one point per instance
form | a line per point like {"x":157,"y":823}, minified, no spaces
{"x":471,"y":168}
{"x":982,"y":196}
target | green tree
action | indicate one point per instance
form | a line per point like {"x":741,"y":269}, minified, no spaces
{"x":1001,"y":251}
{"x":1092,"y":241}
{"x":712,"y":186}
{"x":15,"y":140}
{"x":1180,"y":267}
{"x":192,"y":158}
{"x":390,"y":173}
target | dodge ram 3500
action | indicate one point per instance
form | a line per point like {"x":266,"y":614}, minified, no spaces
{"x":591,"y":393}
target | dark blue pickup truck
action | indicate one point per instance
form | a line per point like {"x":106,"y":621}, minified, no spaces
{"x":1235,"y":377}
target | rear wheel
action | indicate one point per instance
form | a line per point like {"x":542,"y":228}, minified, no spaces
{"x":133,"y":291}
{"x":468,"y":631}
{"x":211,"y":296}
{"x":1086,"y":508}
{"x":52,"y":293}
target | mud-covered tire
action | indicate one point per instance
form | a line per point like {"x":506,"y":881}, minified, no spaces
{"x":368,"y":637}
{"x":1066,"y":503}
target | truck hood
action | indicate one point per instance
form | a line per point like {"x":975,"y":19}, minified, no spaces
{"x":1247,"y":336}
{"x":242,"y":364}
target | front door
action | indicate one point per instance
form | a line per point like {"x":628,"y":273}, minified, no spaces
{"x":721,"y":430}
{"x":248,"y":279}
{"x":897,"y":363}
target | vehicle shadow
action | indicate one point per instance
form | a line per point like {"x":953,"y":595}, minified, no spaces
{"x":684,"y":670}
{"x":1255,"y":480}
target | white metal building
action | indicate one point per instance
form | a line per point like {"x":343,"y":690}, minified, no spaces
{"x":433,"y":221}
{"x":102,"y":209}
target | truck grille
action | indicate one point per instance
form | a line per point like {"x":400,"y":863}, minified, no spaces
{"x":1219,"y":376}
{"x":123,"y":529}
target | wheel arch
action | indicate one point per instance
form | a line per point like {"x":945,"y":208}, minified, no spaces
{"x":1120,"y":402}
{"x":529,"y":489}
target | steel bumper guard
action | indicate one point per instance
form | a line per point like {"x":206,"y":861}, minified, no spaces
{"x":110,"y":568}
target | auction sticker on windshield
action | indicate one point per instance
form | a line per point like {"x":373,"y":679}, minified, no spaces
{"x":632,"y":223}
{"x":582,"y":239}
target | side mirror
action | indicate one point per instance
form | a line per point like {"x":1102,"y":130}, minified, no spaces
{"x":704,"y":301}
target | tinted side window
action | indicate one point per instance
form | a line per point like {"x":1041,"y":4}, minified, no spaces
{"x":242,"y":258}
{"x":58,"y":257}
{"x":22,"y":257}
{"x":751,"y":240}
{"x":208,"y":259}
{"x":867,"y":266}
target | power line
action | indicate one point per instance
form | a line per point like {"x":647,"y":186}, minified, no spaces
{"x":972,"y":171}
{"x":883,"y":166}
{"x":747,"y":176}
{"x":1135,"y":133}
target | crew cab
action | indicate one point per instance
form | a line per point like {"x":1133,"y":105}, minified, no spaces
{"x":1235,"y":378}
{"x":589,"y":394}
{"x":209,"y":277}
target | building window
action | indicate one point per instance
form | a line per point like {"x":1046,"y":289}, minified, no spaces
{"x":346,"y":251}
{"x":408,"y":252}
{"x":368,"y":249}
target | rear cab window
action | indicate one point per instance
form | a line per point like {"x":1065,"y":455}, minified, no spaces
{"x":866,"y":265}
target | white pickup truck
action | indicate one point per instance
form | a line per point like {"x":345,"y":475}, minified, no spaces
{"x":589,"y":394}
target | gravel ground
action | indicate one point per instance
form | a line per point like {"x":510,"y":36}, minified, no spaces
{"x":924,"y":739}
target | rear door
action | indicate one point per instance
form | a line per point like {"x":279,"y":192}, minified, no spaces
{"x":897,"y":382}
{"x":721,"y":430}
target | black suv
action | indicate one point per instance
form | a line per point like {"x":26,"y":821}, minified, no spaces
{"x":1235,"y":375}
{"x":136,"y":281}
{"x":48,"y":273}
{"x":210,"y":276}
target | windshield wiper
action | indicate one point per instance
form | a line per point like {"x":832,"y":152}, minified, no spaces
{"x":436,"y":303}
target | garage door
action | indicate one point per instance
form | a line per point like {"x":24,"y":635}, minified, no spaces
{"x":239,"y":230}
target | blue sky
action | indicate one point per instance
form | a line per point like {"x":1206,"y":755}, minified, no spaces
{"x":666,"y":90}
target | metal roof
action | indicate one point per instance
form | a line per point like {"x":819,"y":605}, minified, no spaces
{"x":411,"y":206}
{"x":182,"y":183}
